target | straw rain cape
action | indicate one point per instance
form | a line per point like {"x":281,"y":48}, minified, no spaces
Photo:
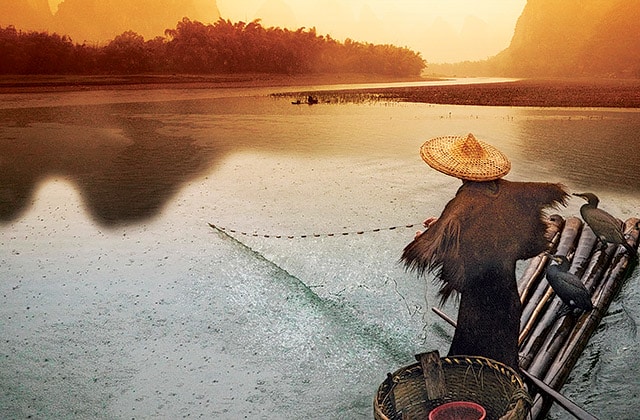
{"x":484,"y":225}
{"x":472,"y":248}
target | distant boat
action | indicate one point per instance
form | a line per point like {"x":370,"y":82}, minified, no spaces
{"x":310,"y":101}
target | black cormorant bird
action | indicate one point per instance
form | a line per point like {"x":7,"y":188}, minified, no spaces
{"x":606,"y":227}
{"x":569,"y":288}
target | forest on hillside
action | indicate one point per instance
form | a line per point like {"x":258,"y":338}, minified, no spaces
{"x":195,"y":48}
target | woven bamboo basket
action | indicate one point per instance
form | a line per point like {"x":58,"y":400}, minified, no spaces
{"x":495,"y":386}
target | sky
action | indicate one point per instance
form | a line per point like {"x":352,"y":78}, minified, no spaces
{"x":441,"y":30}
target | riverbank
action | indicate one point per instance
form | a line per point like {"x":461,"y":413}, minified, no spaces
{"x":590,"y":93}
{"x":597,"y":93}
{"x":66,"y":83}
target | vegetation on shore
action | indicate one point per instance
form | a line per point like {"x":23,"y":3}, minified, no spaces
{"x":599,"y":93}
{"x":195,"y":48}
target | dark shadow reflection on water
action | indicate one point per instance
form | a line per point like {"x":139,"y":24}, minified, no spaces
{"x":129,"y":159}
{"x":124,"y":167}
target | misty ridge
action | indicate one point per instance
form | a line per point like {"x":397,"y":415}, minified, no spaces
{"x":193,"y":47}
{"x":568,"y":38}
{"x":102,"y":20}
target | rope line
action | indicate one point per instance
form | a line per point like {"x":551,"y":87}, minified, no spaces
{"x":313,"y":235}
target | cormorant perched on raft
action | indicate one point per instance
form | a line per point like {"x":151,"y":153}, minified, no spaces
{"x":606,"y":227}
{"x":569,"y":288}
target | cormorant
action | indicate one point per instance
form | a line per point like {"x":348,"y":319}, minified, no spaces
{"x":606,"y":227}
{"x":568,"y":286}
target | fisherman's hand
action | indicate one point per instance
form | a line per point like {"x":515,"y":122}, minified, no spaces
{"x":427,"y":223}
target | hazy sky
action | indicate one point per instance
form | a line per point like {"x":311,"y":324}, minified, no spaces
{"x":436,"y":28}
{"x":441,"y":30}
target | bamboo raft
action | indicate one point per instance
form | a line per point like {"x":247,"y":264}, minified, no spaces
{"x":549,"y":345}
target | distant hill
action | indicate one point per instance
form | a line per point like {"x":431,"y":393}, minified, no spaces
{"x":101,"y":20}
{"x":25,"y":14}
{"x":568,"y":38}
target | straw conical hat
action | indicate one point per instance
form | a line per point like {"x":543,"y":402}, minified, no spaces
{"x":465,"y":157}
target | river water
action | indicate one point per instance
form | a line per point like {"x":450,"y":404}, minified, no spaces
{"x":117,"y":300}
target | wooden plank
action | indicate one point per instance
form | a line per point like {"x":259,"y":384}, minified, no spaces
{"x":433,"y":373}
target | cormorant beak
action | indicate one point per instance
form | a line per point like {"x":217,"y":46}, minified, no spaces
{"x":581,"y":195}
{"x":552,"y":257}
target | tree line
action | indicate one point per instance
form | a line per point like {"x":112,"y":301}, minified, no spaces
{"x":195,"y":48}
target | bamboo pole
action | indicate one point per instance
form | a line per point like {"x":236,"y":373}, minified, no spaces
{"x":574,"y":409}
{"x":603,"y":272}
{"x":532,"y":273}
{"x":566,"y":244}
{"x":531,"y":276}
{"x":603,"y":297}
{"x":542,"y":306}
{"x":584,"y":251}
{"x":541,"y":335}
{"x":534,"y":308}
{"x":560,"y":329}
{"x":540,"y":298}
{"x":570,"y":234}
{"x":597,"y":267}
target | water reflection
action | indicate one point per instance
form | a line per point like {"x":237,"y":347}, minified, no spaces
{"x":592,"y":149}
{"x":124,"y":166}
{"x":129,"y":159}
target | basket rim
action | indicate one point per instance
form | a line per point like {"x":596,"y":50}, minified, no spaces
{"x":386,"y":387}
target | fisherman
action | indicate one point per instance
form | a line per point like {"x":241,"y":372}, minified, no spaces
{"x":473,"y":246}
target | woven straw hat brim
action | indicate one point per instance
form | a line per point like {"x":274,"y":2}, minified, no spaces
{"x":465,"y":158}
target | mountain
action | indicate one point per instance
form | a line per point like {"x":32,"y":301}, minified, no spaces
{"x":624,"y":60}
{"x":369,"y":23}
{"x":148,"y":18}
{"x":25,"y":14}
{"x":568,"y":38}
{"x":101,"y":20}
{"x":481,"y":36}
{"x":574,"y":38}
